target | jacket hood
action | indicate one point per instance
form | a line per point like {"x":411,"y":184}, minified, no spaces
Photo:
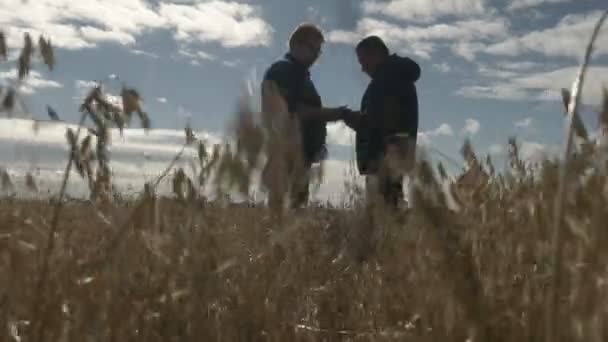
{"x":403,"y":68}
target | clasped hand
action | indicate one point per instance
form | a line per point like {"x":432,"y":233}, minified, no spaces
{"x":349,"y":117}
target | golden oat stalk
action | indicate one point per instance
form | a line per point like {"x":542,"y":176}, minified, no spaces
{"x":8,"y":102}
{"x":149,"y":191}
{"x":46,"y":52}
{"x":7,"y":183}
{"x":190,"y":137}
{"x":604,"y":114}
{"x":442,"y":172}
{"x":102,"y":186}
{"x":183,"y":187}
{"x":207,"y":164}
{"x":490,"y":166}
{"x":100,"y":109}
{"x":552,"y":323}
{"x":602,"y":139}
{"x":203,"y":156}
{"x":38,"y":321}
{"x":30,"y":182}
{"x":82,"y":154}
{"x":83,"y":159}
{"x":577,"y":123}
{"x":132,"y":102}
{"x":3,"y":48}
{"x":106,"y":114}
{"x":25,"y":58}
{"x":515,"y":160}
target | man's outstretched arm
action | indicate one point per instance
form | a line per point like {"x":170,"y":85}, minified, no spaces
{"x":275,"y":99}
{"x":308,"y":113}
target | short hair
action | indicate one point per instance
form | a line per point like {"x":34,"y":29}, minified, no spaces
{"x":305,"y":31}
{"x":372,"y":44}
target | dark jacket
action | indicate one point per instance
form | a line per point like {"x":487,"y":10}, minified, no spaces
{"x":293,"y":80}
{"x":389,"y":106}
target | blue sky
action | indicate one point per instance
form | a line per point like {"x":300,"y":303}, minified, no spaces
{"x":491,"y":68}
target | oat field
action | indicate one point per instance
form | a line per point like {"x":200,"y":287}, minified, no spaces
{"x":487,"y":255}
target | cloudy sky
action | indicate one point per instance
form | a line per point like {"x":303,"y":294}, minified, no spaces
{"x":490,"y":68}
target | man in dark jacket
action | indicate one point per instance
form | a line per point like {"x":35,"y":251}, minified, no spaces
{"x":290,"y":77}
{"x":387,"y":126}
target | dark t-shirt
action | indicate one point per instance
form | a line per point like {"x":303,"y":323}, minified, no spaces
{"x":297,"y":88}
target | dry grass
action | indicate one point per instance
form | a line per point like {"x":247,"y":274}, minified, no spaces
{"x":199,"y":271}
{"x":473,"y":259}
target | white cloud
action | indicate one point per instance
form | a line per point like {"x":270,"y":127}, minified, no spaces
{"x":443,"y":129}
{"x":532,"y":151}
{"x":499,"y":72}
{"x":62,"y":36}
{"x":340,"y":134}
{"x":144,"y":53}
{"x":525,"y":123}
{"x":335,"y":174}
{"x":344,"y":37}
{"x":443,"y":67}
{"x":195,"y":57}
{"x":133,"y":140}
{"x":467,"y":50}
{"x":495,"y":92}
{"x":550,"y":83}
{"x":425,"y":10}
{"x":425,"y":138}
{"x":496,"y":149}
{"x":509,"y":47}
{"x":229,"y":23}
{"x":549,"y":95}
{"x":568,"y":38}
{"x":525,"y":4}
{"x":471,"y":127}
{"x":94,"y":34}
{"x":231,"y":64}
{"x":31,"y":83}
{"x":535,"y":14}
{"x":136,"y":156}
{"x":83,"y":24}
{"x":528,"y":80}
{"x":313,"y":13}
{"x":116,"y":21}
{"x":519,"y":66}
{"x":540,"y":86}
{"x":420,"y":40}
{"x":85,"y":85}
{"x":460,"y":30}
{"x":162,"y":99}
{"x":37,"y":82}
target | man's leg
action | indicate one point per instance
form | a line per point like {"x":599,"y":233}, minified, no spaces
{"x":399,"y":162}
{"x":371,"y":188}
{"x":392,"y":191}
{"x":382,"y":188}
{"x":300,"y":187}
{"x":275,"y":179}
{"x":409,"y":171}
